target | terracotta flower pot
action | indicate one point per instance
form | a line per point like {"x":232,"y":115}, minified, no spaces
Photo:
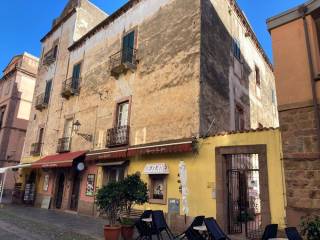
{"x":112,"y":232}
{"x":127,"y":232}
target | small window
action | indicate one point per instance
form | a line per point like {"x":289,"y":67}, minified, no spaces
{"x":258,"y":77}
{"x":239,"y":118}
{"x":2,"y":112}
{"x":158,"y":189}
{"x":236,"y":49}
{"x":273,"y":96}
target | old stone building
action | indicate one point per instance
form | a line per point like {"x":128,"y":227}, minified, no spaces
{"x":16,"y":93}
{"x":149,"y":79}
{"x":295,"y":39}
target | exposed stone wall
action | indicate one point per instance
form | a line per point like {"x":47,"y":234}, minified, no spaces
{"x":215,"y":62}
{"x":302,"y":164}
{"x":163,"y":89}
{"x":227,"y":81}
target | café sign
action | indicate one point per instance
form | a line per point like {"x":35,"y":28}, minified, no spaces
{"x":156,"y":168}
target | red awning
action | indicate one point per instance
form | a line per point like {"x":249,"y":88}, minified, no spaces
{"x":107,"y":154}
{"x":58,"y":161}
{"x":181,"y":146}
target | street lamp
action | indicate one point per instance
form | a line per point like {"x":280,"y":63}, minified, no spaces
{"x":76,"y":128}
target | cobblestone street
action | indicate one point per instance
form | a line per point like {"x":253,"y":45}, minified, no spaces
{"x":27,"y":223}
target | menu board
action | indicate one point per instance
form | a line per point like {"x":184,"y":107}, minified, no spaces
{"x":29,"y":192}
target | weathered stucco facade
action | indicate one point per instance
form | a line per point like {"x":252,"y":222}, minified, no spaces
{"x":184,"y":78}
{"x":16,"y":93}
{"x":295,"y":40}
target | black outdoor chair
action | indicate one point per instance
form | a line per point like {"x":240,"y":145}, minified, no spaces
{"x":190,"y":233}
{"x":292,"y":233}
{"x":159,"y":224}
{"x":145,"y":230}
{"x":214,"y":230}
{"x":270,"y":231}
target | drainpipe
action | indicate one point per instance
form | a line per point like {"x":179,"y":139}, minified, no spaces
{"x":303,"y":10}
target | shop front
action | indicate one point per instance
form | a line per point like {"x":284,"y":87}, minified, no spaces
{"x":59,"y":182}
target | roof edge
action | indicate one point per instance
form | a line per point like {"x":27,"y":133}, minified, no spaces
{"x":291,"y":14}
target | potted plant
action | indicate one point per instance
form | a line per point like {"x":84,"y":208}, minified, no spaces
{"x":310,"y":227}
{"x":109,"y":200}
{"x":135,"y":191}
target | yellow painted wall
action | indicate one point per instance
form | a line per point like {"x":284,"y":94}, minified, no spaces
{"x":201,"y":173}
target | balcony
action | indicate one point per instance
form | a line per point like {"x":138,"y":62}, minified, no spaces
{"x":123,"y":61}
{"x":41,"y":102}
{"x":70,"y":87}
{"x":64,"y":145}
{"x":118,"y":136}
{"x":49,"y":57}
{"x":35,"y":149}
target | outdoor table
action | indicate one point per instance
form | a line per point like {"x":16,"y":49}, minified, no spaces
{"x":202,"y":228}
{"x":148,"y":220}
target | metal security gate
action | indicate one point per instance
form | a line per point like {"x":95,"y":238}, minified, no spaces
{"x":244,"y":203}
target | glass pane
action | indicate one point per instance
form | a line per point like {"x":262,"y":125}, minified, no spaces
{"x":158,"y":188}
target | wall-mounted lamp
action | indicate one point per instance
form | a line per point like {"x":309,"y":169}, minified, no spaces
{"x":76,"y":128}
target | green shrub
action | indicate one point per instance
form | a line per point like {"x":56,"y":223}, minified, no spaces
{"x":310,"y":227}
{"x":110,"y":200}
{"x":135,"y":191}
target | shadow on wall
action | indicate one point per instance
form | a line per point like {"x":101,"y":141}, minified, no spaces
{"x":216,"y":60}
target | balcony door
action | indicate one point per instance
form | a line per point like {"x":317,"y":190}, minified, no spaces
{"x":128,"y":48}
{"x":76,"y":76}
{"x":47,"y":91}
{"x":122,"y":114}
{"x":65,"y":144}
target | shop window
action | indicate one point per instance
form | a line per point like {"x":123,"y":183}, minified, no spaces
{"x":113,"y":174}
{"x":158,"y":189}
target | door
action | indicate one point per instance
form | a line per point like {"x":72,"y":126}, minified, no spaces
{"x":75,"y":192}
{"x":47,"y":92}
{"x":244,"y":203}
{"x":76,"y":77}
{"x":59,"y":191}
{"x":128,"y":48}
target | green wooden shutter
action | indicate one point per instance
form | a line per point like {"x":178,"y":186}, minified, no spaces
{"x":127,"y":47}
{"x":76,"y":76}
{"x":47,"y":91}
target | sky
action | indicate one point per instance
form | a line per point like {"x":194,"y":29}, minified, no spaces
{"x":24,"y":23}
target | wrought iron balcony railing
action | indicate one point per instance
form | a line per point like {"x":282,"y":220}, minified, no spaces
{"x":118,"y":136}
{"x":70,"y":87}
{"x":36,"y":149}
{"x":49,"y":57}
{"x":122,"y":61}
{"x":41,"y":102}
{"x":64,"y":145}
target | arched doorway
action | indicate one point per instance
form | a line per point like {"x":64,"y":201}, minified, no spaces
{"x":59,"y":190}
